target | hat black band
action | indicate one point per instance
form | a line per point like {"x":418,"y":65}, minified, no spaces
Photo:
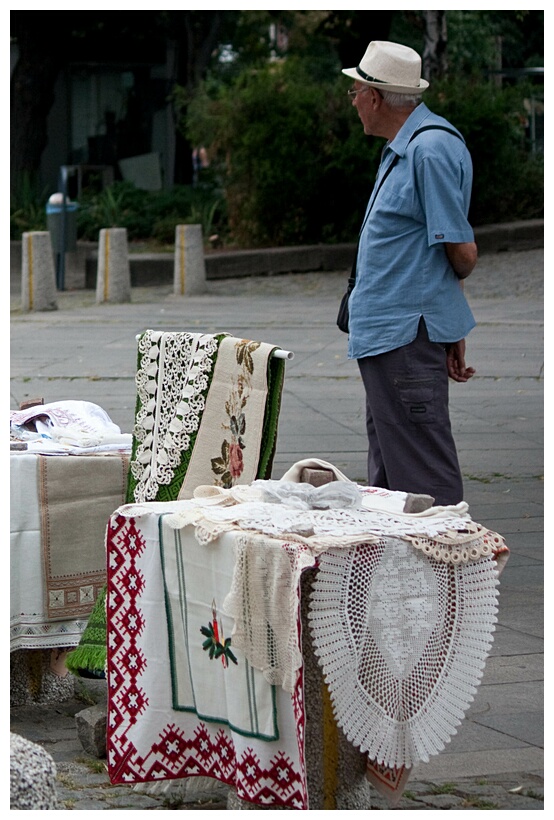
{"x":369,"y":79}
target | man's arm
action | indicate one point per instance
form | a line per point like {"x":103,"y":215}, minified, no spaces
{"x":462,"y":256}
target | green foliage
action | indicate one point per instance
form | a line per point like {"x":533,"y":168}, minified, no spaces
{"x":474,"y":38}
{"x":508,"y":182}
{"x":27,"y":207}
{"x":149,"y":215}
{"x":297,"y":168}
{"x":289,"y":162}
{"x":120,"y":205}
{"x":292,"y":158}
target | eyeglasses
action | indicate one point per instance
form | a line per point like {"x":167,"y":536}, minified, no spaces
{"x":352,"y":92}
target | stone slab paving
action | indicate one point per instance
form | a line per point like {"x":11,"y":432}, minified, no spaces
{"x":88,"y":351}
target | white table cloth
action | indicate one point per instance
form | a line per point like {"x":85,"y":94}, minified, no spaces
{"x":59,"y":509}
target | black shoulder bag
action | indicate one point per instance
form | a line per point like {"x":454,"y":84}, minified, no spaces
{"x":343,"y":315}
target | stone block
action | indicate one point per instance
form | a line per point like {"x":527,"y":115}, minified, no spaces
{"x":91,"y":726}
{"x":189,"y":272}
{"x":39,"y":676}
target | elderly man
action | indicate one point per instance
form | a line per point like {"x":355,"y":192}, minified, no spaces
{"x":408,"y":314}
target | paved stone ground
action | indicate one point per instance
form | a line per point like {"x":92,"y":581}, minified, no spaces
{"x":88,"y":352}
{"x":83,"y":783}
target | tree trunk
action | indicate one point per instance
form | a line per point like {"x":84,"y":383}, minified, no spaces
{"x":435,"y":64}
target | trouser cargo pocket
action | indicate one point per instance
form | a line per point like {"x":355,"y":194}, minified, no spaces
{"x":417,"y":398}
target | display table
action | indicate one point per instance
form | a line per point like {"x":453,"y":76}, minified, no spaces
{"x":59,"y":507}
{"x":205,"y":668}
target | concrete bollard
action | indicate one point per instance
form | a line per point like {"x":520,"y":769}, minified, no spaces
{"x":38,"y":277}
{"x":335,"y":769}
{"x":189,"y":272}
{"x":113,"y":282}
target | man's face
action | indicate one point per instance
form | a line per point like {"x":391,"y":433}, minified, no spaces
{"x":365,"y":103}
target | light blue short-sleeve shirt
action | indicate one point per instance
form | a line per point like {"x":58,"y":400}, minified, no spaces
{"x":402,"y":271}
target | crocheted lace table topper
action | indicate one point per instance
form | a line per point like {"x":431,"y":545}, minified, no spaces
{"x":402,"y":641}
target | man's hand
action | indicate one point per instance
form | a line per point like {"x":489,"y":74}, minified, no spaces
{"x":456,"y":363}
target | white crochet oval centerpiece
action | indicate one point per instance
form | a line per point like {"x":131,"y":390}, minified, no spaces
{"x":402,"y":640}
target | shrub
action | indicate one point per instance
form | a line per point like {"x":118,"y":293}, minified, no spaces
{"x":297,"y":168}
{"x":147,"y":215}
{"x":508,"y":181}
{"x":290,"y":164}
{"x":292,"y":158}
{"x":120,"y":205}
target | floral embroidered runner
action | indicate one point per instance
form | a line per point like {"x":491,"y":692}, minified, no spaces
{"x":229,"y":442}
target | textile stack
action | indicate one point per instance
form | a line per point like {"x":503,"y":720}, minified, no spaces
{"x":401,"y":614}
{"x":68,"y":472}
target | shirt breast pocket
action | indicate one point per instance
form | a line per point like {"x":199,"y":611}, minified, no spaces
{"x":398,"y":201}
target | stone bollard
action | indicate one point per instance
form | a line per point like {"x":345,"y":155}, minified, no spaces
{"x":189,"y":271}
{"x":335,"y":769}
{"x":38,"y":277}
{"x":32,"y":776}
{"x":113,"y":282}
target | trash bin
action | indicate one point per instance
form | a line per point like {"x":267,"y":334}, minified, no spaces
{"x":61,"y":221}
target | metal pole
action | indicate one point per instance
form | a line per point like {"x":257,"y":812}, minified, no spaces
{"x":63,"y":234}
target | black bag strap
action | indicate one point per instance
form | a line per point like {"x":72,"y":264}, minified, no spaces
{"x":352,"y":277}
{"x":436,"y":128}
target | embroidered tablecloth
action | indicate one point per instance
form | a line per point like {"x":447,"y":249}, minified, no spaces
{"x":59,"y":508}
{"x":183,"y":701}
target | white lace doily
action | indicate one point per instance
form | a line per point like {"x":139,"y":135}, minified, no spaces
{"x":324,"y":529}
{"x":172,"y":379}
{"x":402,"y":640}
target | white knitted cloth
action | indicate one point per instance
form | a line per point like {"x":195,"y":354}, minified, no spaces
{"x":264,"y":602}
{"x":402,"y":640}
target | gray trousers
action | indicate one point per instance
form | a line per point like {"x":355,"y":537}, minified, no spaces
{"x":411,"y":447}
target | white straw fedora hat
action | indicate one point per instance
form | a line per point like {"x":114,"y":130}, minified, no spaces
{"x":390,"y":67}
